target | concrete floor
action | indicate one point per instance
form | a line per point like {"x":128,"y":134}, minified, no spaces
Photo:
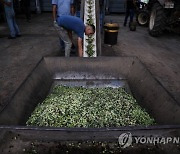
{"x":18,"y":57}
{"x":160,"y":55}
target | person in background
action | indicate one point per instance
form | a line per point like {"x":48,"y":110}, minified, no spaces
{"x":62,"y":7}
{"x":130,"y":9}
{"x":77,"y":7}
{"x":75,"y":24}
{"x":2,"y":13}
{"x":27,"y":9}
{"x":10,"y":16}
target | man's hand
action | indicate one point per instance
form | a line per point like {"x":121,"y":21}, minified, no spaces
{"x":56,"y":24}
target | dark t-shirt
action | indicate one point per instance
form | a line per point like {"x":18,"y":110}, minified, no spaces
{"x":130,"y":4}
{"x":72,"y":23}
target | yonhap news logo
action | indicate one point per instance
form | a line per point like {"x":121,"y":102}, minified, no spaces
{"x":126,"y":140}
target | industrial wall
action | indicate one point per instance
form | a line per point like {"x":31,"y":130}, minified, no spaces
{"x":46,"y":5}
{"x":116,"y":6}
{"x":113,"y":6}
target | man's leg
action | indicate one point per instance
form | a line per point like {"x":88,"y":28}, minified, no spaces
{"x":126,"y":17}
{"x":17,"y":31}
{"x":131,"y":15}
{"x":73,"y":46}
{"x":65,"y":37}
{"x":10,"y":24}
{"x":28,"y":13}
{"x":62,"y":44}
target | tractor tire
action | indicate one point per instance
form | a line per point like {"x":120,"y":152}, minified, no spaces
{"x":157,"y":22}
{"x":143,"y":18}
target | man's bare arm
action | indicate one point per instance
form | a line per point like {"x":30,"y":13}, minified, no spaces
{"x":54,"y":12}
{"x":80,"y":47}
{"x":72,"y":9}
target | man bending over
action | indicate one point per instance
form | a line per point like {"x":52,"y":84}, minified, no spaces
{"x":66,"y":23}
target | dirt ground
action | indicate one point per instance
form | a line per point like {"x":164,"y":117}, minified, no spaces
{"x":18,"y":57}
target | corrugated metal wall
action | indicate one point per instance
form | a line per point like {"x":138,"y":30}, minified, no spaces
{"x":46,"y":5}
{"x":33,"y":5}
{"x":117,"y":6}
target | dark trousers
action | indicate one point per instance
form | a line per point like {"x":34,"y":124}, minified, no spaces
{"x":26,"y":5}
{"x":129,"y":12}
{"x":28,"y":12}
